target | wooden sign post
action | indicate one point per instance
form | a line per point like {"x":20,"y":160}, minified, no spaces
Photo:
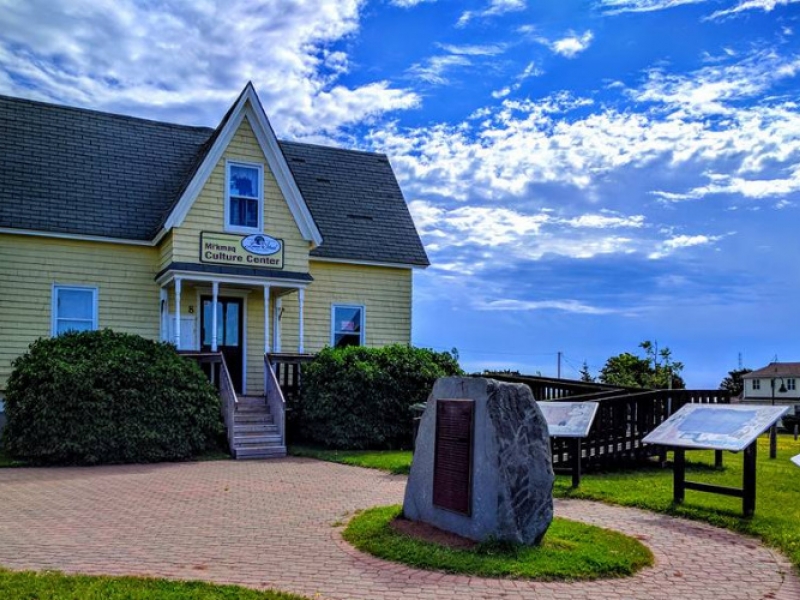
{"x":570,"y":420}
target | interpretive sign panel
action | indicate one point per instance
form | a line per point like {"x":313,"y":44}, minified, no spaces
{"x":715,"y":426}
{"x":796,"y":460}
{"x":452,"y":463}
{"x":569,"y":419}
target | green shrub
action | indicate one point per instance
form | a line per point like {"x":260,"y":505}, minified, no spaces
{"x":357,"y":398}
{"x":790,"y":420}
{"x":105,"y":397}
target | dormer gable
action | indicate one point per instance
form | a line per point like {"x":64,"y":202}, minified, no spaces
{"x":246,"y":111}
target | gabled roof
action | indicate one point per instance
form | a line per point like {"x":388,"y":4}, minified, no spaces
{"x":74,"y":171}
{"x":357,"y":204}
{"x":775,"y":369}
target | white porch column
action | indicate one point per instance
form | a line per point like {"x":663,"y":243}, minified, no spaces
{"x":178,"y":313}
{"x":276,"y":334}
{"x":163,"y":314}
{"x":266,"y":318}
{"x":301,"y":300}
{"x":215,"y":296}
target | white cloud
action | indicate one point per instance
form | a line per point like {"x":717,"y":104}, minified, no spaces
{"x":712,"y":89}
{"x":572,"y":45}
{"x":613,"y":7}
{"x":501,"y":151}
{"x":434,"y":69}
{"x":408,"y":3}
{"x":765,"y":5}
{"x":187,"y":62}
{"x":682,"y":241}
{"x":472,"y":239}
{"x":747,"y":188}
{"x":474,"y":50}
{"x":495,"y":8}
{"x":570,"y":306}
{"x":530,"y":70}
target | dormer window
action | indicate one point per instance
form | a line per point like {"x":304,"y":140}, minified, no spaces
{"x":244,"y":197}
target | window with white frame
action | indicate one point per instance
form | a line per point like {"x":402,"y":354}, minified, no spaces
{"x":791,"y":384}
{"x":74,"y":308}
{"x":347,"y":325}
{"x":244,"y":197}
{"x":756,"y":384}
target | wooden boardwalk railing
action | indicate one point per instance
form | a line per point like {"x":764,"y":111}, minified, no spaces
{"x":624,"y":417}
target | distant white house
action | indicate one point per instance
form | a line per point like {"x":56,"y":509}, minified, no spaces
{"x":778,"y":380}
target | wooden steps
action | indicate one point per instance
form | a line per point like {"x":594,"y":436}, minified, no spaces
{"x":255,"y":434}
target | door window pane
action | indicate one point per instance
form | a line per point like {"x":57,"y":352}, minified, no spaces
{"x":232,"y":324}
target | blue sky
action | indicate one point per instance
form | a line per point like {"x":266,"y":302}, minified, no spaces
{"x":585,"y":174}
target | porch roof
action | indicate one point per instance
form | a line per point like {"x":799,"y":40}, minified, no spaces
{"x":257,"y":276}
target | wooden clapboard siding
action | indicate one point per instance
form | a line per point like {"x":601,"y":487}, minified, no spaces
{"x":384,"y":291}
{"x":128,"y":298}
{"x":165,"y":252}
{"x":208,"y":211}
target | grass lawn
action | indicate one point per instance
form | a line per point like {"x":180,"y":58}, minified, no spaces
{"x":57,"y":586}
{"x":569,"y":551}
{"x":397,"y":462}
{"x":777,"y":516}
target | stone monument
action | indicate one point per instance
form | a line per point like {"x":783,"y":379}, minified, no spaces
{"x":482,"y":466}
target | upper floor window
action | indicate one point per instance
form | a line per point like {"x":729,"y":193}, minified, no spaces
{"x":756,"y":384}
{"x":74,"y":309}
{"x":244,"y":197}
{"x":791,"y":384}
{"x":347,"y":326}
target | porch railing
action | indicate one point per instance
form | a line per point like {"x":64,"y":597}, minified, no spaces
{"x":275,"y":399}
{"x":213,"y":364}
{"x":288,"y":369}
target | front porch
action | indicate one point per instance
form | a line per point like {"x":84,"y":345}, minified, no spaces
{"x":230,"y":324}
{"x":242,"y":317}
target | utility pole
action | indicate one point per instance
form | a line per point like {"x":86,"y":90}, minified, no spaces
{"x":559,"y":364}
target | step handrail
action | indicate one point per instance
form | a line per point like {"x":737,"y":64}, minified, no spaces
{"x":224,"y":383}
{"x":230,"y":401}
{"x":275,"y":399}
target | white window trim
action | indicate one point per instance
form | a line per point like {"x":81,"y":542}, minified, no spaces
{"x":363,"y":329}
{"x":54,"y":304}
{"x":261,"y":210}
{"x":756,"y":384}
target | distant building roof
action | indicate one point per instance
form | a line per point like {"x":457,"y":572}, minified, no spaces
{"x":775,"y":369}
{"x":76,"y":171}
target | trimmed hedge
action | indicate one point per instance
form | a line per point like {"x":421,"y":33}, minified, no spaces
{"x":104,"y":397}
{"x":359,"y":398}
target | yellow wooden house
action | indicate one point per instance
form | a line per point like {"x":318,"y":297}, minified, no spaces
{"x":222,"y":241}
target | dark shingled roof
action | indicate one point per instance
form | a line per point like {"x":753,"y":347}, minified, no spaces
{"x":775,"y":369}
{"x":70,"y":170}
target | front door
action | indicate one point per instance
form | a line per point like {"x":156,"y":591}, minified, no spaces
{"x":230,"y":315}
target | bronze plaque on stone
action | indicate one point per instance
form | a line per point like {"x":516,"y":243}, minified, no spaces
{"x":452,"y":464}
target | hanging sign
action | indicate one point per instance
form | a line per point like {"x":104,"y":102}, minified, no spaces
{"x":258,"y":250}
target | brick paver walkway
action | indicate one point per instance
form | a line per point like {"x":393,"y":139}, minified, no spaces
{"x":275,"y":524}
